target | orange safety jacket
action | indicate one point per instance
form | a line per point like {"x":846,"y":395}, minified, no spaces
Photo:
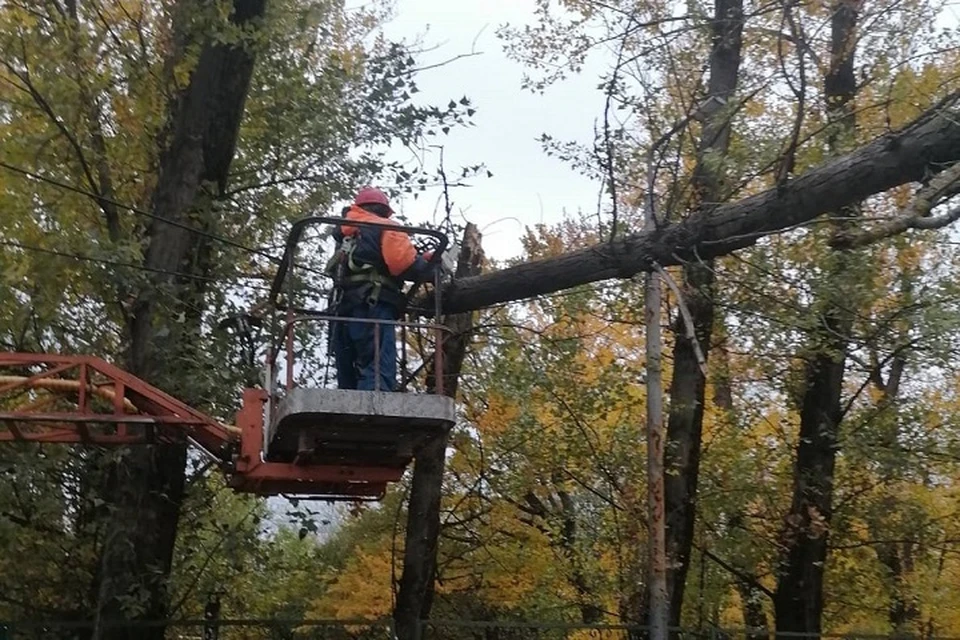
{"x":390,"y":255}
{"x":391,"y":248}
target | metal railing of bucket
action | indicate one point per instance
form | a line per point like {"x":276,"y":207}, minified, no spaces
{"x":284,"y":292}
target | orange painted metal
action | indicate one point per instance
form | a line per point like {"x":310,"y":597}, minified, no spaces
{"x":255,"y":475}
{"x":100,"y":404}
{"x":138,"y":412}
{"x":82,"y":399}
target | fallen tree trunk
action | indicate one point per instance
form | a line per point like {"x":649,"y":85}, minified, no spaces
{"x":926,"y":146}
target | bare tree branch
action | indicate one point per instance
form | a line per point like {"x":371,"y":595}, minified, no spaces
{"x":687,"y":317}
{"x":918,"y":213}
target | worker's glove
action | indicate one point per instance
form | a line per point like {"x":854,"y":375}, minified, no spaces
{"x":449,"y":258}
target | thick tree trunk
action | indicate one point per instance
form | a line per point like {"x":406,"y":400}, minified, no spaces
{"x":799,"y":596}
{"x":415,"y":595}
{"x":928,"y":145}
{"x":590,"y":611}
{"x":147,"y":483}
{"x":904,"y":609}
{"x":685,"y":423}
{"x":754,"y":616}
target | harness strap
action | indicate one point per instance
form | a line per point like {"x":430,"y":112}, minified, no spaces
{"x":347,"y":271}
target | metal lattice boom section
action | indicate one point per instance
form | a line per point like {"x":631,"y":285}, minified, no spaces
{"x":83,"y":399}
{"x":64,"y":399}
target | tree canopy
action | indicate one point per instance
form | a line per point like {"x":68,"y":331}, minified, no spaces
{"x":785,"y":172}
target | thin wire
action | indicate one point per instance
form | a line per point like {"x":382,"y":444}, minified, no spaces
{"x":141,"y":212}
{"x":116,"y":263}
{"x":260,"y":252}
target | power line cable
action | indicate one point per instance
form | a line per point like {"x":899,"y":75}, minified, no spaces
{"x":138,"y":211}
{"x":128,"y":265}
{"x":68,"y":187}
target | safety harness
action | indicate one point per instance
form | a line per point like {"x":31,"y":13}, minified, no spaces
{"x":348,"y":273}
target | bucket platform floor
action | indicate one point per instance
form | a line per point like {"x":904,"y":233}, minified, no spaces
{"x":344,"y":427}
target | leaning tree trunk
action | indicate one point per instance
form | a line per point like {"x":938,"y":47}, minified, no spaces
{"x":146,"y":484}
{"x":415,"y":595}
{"x":928,"y":145}
{"x":799,"y":597}
{"x":685,"y":423}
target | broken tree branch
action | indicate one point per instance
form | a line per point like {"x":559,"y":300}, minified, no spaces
{"x":938,"y":190}
{"x":687,"y":317}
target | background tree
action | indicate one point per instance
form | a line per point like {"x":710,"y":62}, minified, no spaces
{"x":166,"y":144}
{"x":546,"y":461}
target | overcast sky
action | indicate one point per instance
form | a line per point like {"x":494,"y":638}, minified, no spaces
{"x":527,"y":187}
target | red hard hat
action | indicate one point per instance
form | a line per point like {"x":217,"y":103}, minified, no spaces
{"x":372,"y":195}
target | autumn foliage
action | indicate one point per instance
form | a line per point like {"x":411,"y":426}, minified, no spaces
{"x":813,"y":438}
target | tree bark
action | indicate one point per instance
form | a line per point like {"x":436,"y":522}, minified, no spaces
{"x":928,"y":145}
{"x":685,"y":422}
{"x":754,"y":617}
{"x":147,"y":483}
{"x":904,"y":609}
{"x":416,"y":592}
{"x":799,"y":597}
{"x":658,"y":600}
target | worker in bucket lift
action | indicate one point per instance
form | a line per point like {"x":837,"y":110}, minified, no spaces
{"x":368,"y":269}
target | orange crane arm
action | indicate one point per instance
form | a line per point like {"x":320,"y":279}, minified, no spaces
{"x":82,"y":399}
{"x":79,"y":398}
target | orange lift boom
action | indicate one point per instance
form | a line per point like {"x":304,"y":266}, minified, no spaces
{"x":327,"y":443}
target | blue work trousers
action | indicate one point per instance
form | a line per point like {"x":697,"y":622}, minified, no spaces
{"x":354,"y":349}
